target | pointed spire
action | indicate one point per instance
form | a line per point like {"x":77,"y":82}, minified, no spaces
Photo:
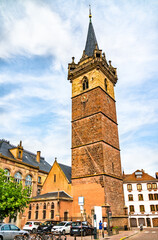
{"x":91,"y":38}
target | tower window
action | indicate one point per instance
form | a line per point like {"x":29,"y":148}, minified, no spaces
{"x":98,"y":55}
{"x":112,"y":167}
{"x":85,"y":84}
{"x":105,"y":83}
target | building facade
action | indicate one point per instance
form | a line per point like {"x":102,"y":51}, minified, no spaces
{"x":96,"y":164}
{"x":141,"y":198}
{"x":24,"y":166}
{"x":55,"y":201}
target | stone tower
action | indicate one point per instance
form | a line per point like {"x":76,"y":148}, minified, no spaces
{"x":96,"y":164}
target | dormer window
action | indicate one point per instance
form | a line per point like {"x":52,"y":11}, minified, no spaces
{"x":85,"y":84}
{"x":138,"y":174}
{"x":19,"y":156}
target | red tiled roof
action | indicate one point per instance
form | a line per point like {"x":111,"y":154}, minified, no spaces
{"x":133,"y":178}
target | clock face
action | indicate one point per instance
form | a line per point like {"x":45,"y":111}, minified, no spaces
{"x":84,"y":98}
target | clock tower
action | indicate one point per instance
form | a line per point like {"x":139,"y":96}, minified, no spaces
{"x":96,"y":164}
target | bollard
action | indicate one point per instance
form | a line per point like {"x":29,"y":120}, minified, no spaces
{"x":74,"y":237}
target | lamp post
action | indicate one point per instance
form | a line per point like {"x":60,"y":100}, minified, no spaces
{"x":109,"y":216}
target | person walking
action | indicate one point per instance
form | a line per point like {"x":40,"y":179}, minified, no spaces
{"x":100,"y":229}
{"x":105,"y":227}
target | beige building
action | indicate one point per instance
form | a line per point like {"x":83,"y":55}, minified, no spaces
{"x":30,"y":168}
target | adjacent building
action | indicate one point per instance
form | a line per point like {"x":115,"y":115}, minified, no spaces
{"x":30,"y":168}
{"x":55,"y":201}
{"x":141,"y":198}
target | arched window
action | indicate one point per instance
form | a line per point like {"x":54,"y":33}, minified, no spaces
{"x":105,"y":83}
{"x":85,"y":84}
{"x":29,"y":213}
{"x":52,"y":211}
{"x":18,"y":177}
{"x":36,"y":213}
{"x":7,"y":173}
{"x":44,"y":210}
{"x":28,"y":180}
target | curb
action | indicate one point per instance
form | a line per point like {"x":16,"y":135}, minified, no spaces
{"x":129,"y":236}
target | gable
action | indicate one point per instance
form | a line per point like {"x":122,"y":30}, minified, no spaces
{"x":57,"y":180}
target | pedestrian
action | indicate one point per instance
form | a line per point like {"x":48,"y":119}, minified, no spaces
{"x":100,"y":229}
{"x":105,"y":226}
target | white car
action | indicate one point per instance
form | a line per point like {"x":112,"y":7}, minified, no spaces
{"x":10,"y":231}
{"x":31,"y":226}
{"x":62,"y":228}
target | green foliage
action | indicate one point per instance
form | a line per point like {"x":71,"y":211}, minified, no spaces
{"x":13,"y":197}
{"x":115,"y":227}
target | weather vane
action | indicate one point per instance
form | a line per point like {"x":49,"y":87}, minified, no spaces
{"x":90,"y":14}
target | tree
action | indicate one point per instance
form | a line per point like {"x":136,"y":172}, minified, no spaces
{"x":13,"y":196}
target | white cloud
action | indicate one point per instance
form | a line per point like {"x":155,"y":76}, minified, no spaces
{"x":126,"y":31}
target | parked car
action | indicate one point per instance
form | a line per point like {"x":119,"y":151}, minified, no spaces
{"x":46,"y":226}
{"x":62,"y":227}
{"x":31,"y":226}
{"x":84,"y":228}
{"x":9,"y":231}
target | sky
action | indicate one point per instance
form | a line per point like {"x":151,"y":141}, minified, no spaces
{"x":37,"y":41}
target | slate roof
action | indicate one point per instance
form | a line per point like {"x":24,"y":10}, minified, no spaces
{"x":91,"y":41}
{"x":127,"y":178}
{"x":28,"y":157}
{"x":67,"y":171}
{"x":53,"y":195}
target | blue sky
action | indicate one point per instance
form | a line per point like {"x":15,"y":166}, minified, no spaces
{"x":38,"y":39}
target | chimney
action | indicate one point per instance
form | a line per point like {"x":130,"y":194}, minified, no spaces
{"x":38,"y":156}
{"x":156,"y":174}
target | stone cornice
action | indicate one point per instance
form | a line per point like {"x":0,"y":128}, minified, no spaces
{"x":22,"y":163}
{"x":88,"y":90}
{"x":98,"y":64}
{"x":99,"y":174}
{"x":100,"y":112}
{"x":51,"y":199}
{"x":83,"y":145}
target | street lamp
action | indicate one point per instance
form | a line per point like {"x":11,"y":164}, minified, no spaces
{"x":109,"y":216}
